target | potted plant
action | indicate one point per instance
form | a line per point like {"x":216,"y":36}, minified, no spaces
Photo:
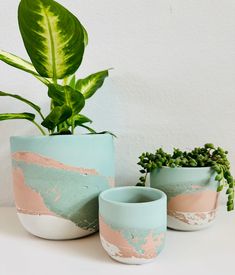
{"x":58,"y":175}
{"x":191,"y":181}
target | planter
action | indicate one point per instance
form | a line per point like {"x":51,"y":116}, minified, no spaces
{"x":191,"y":193}
{"x":132,"y":223}
{"x":57,"y":180}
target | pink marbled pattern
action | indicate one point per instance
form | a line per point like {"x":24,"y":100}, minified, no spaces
{"x":32,"y":158}
{"x":115,"y":238}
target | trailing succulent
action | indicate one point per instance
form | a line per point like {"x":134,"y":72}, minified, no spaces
{"x":55,"y":41}
{"x":207,"y":156}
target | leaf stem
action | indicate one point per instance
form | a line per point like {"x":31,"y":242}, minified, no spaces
{"x":39,"y":127}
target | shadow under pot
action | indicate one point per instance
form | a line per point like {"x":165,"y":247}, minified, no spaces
{"x":57,"y":180}
{"x":132,"y":223}
{"x":192,"y":196}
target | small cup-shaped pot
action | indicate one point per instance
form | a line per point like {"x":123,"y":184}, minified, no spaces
{"x":132,"y":223}
{"x":191,"y":194}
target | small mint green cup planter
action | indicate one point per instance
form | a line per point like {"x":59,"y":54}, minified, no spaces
{"x":132,"y":223}
{"x":57,"y":180}
{"x":191,"y":193}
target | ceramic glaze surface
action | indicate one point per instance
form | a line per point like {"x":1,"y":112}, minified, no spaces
{"x":62,"y":176}
{"x":191,"y":193}
{"x":132,"y":230}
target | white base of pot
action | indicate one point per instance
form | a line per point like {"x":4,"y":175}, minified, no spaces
{"x":176,"y":224}
{"x":133,"y":260}
{"x":51,"y":227}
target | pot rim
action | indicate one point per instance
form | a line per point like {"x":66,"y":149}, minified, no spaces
{"x":60,"y":136}
{"x":135,"y":204}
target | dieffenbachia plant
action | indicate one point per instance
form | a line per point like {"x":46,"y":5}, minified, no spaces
{"x":55,"y":41}
{"x":207,"y":156}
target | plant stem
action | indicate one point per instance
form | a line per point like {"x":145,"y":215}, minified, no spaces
{"x":39,"y":127}
{"x":42,"y":116}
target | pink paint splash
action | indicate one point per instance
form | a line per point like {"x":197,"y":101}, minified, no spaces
{"x":115,"y":238}
{"x":151,"y":245}
{"x":27,"y":200}
{"x":32,"y":158}
{"x":195,"y":202}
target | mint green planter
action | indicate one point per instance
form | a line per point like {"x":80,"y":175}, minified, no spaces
{"x":191,"y":193}
{"x":132,"y":223}
{"x":57,"y":181}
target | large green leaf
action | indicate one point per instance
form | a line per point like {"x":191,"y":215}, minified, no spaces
{"x":31,"y":104}
{"x":58,"y":115}
{"x":66,"y":95}
{"x":21,"y":64}
{"x":85,"y":36}
{"x":89,"y":85}
{"x":8,"y":116}
{"x":53,"y":37}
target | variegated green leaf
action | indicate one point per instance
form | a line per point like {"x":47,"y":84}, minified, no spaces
{"x":58,"y":115}
{"x":17,"y":62}
{"x":21,"y":64}
{"x":9,"y":116}
{"x":89,"y":85}
{"x":79,"y":120}
{"x":66,"y":95}
{"x":74,"y":99}
{"x":53,"y":37}
{"x":85,"y":36}
{"x":31,"y":104}
{"x":72,"y":81}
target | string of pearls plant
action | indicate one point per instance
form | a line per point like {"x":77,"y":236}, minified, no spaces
{"x":207,"y":156}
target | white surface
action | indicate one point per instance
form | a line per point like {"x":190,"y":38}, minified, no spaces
{"x":51,"y":227}
{"x":173,"y":83}
{"x":210,"y":251}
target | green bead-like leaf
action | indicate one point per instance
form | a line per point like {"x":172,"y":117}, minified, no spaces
{"x":209,"y":146}
{"x":220,"y":188}
{"x":9,"y":116}
{"x":230,"y":191}
{"x":53,"y":37}
{"x":89,"y":85}
{"x":219,"y":177}
{"x":58,"y":115}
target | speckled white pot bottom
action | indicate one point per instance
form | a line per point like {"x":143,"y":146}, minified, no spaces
{"x":112,"y":251}
{"x":187,"y":221}
{"x":51,"y":227}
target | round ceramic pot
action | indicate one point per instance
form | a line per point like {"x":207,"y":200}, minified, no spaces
{"x":57,"y":180}
{"x":191,"y":196}
{"x":132,"y":223}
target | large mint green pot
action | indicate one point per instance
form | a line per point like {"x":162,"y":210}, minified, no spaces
{"x":132,"y":223}
{"x":191,"y":193}
{"x":57,"y":180}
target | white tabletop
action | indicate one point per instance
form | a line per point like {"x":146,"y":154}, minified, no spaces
{"x":210,"y":251}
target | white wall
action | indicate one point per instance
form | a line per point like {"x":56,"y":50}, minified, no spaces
{"x":173,"y":83}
